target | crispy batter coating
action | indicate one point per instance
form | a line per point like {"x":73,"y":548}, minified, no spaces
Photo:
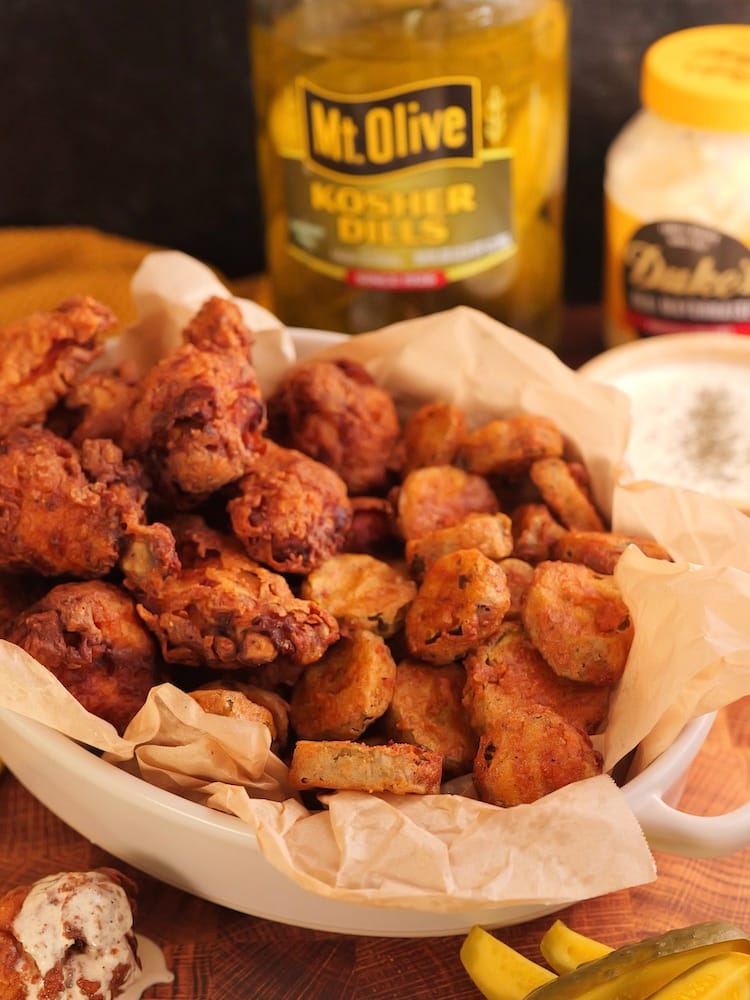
{"x":432,"y":435}
{"x":219,"y":608}
{"x":426,"y":709}
{"x":233,"y":705}
{"x":508,"y":446}
{"x":508,"y":667}
{"x":334,"y":412}
{"x":338,"y":697}
{"x":64,"y":511}
{"x":291,"y":513}
{"x":43,"y":356}
{"x":372,"y":530}
{"x":528,"y":752}
{"x":262,"y":697}
{"x":89,"y":636}
{"x":438,"y":497}
{"x":18,"y":592}
{"x":562,"y":491}
{"x":62,"y":904}
{"x":579,"y":622}
{"x":98,"y":405}
{"x":362,"y":592}
{"x":398,"y":768}
{"x":462,"y":600}
{"x":601,"y":550}
{"x":198,"y":416}
{"x":535,"y":531}
{"x":518,"y":574}
{"x":490,"y":533}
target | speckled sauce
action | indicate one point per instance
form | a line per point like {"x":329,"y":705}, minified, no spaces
{"x":83,"y":920}
{"x":691,"y":425}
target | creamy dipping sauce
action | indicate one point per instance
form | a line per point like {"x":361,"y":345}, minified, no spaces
{"x":73,"y":906}
{"x":691,"y":425}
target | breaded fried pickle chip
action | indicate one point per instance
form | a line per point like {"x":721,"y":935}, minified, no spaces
{"x":432,"y":435}
{"x":601,"y":550}
{"x":508,"y":446}
{"x":462,"y":600}
{"x":490,"y":533}
{"x":338,"y":697}
{"x":579,"y":622}
{"x":398,"y":768}
{"x":439,"y":496}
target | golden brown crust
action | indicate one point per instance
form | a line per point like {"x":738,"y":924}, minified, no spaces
{"x":562,"y":491}
{"x":338,"y":697}
{"x":489,"y":533}
{"x":528,"y":752}
{"x":579,"y":622}
{"x":291,"y":512}
{"x":233,"y":705}
{"x":439,"y":496}
{"x":462,"y":600}
{"x":508,"y":446}
{"x":433,"y":435}
{"x":601,"y":550}
{"x":535,"y":531}
{"x":518,"y":574}
{"x":401,"y":769}
{"x":372,"y":530}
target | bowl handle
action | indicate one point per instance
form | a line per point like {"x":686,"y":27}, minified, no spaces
{"x":689,"y":836}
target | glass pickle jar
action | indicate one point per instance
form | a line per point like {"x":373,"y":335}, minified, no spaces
{"x":412,"y":157}
{"x":677,"y":191}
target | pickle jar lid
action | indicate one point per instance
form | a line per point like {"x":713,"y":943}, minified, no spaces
{"x":700,"y":77}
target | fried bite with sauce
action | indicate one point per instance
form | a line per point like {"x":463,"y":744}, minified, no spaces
{"x":65,"y":511}
{"x":437,"y":497}
{"x":290,"y":513}
{"x":509,"y":668}
{"x":490,"y":533}
{"x":398,"y":768}
{"x":462,"y":600}
{"x":334,"y":412}
{"x":529,"y":751}
{"x":579,"y":622}
{"x":562,"y":491}
{"x":433,"y":435}
{"x":90,"y":637}
{"x":601,"y":550}
{"x":426,"y":710}
{"x":362,"y":592}
{"x":44,"y":354}
{"x":198,"y":416}
{"x":69,"y":935}
{"x":338,"y":697}
{"x":218,"y":608}
{"x":508,"y":446}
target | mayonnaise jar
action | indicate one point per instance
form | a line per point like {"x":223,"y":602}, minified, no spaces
{"x":677,"y":192}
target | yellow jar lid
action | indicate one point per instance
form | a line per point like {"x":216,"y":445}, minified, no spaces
{"x":700,"y":77}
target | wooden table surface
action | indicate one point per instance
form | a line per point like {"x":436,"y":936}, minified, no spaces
{"x":217,"y":954}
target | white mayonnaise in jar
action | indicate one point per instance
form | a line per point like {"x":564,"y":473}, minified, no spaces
{"x":677,"y":192}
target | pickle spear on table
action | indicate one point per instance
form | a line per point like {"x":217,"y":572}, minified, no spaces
{"x":564,"y":949}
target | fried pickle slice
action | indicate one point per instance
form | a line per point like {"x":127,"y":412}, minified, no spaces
{"x":509,"y":445}
{"x":509,"y":668}
{"x":489,"y":533}
{"x":439,"y":496}
{"x":433,"y":435}
{"x":535,"y":531}
{"x":338,"y":697}
{"x":529,"y":751}
{"x":290,"y":513}
{"x":234,"y":705}
{"x":462,"y":600}
{"x":518,"y":574}
{"x":601,"y":550}
{"x":426,"y":710}
{"x":362,"y":592}
{"x":579,"y":622}
{"x":563,"y":492}
{"x":399,"y":768}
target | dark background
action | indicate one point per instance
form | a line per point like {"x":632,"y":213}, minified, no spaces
{"x":136,"y":117}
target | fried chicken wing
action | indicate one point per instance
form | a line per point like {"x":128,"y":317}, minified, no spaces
{"x":198,"y":416}
{"x":98,"y":405}
{"x":399,"y":768}
{"x":334,"y":412}
{"x":462,"y":600}
{"x":578,"y":621}
{"x":69,"y":935}
{"x":291,"y":512}
{"x":64,"y":511}
{"x":528,"y":752}
{"x":218,"y":608}
{"x":89,"y":636}
{"x":43,"y":356}
{"x":508,"y":667}
{"x":338,"y":697}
